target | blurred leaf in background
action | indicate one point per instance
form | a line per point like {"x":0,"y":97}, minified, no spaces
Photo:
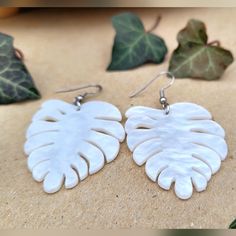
{"x":16,"y":83}
{"x":233,"y":225}
{"x":195,"y":57}
{"x":133,"y":46}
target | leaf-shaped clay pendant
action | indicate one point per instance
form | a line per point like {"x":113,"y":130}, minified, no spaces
{"x":65,"y":144}
{"x":185,"y":147}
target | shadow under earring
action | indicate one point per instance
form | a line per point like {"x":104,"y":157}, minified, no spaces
{"x":67,"y":142}
{"x":180,"y":143}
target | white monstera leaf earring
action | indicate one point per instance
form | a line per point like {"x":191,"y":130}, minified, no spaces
{"x":67,"y":142}
{"x":178,"y":144}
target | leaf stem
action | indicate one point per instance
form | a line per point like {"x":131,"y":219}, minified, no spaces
{"x":158,"y":19}
{"x":215,"y":42}
{"x":19,"y":54}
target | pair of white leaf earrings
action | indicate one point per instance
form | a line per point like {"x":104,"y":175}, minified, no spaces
{"x":179,"y":143}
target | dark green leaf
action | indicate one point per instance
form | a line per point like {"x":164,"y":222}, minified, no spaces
{"x":133,"y":46}
{"x":233,"y":225}
{"x":16,"y":83}
{"x":195,"y":58}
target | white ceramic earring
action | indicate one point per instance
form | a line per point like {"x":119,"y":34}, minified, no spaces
{"x":67,"y":142}
{"x":180,"y":143}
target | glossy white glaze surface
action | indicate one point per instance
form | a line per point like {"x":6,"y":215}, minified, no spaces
{"x":65,"y":144}
{"x":185,"y":147}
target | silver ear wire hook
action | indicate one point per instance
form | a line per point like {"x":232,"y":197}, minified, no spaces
{"x":79,"y":98}
{"x":163,"y":99}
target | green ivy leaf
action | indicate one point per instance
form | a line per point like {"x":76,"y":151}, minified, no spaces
{"x":133,"y":46}
{"x":195,"y":58}
{"x":16,"y":83}
{"x":233,"y":225}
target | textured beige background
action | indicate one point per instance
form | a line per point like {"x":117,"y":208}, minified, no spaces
{"x":65,"y":48}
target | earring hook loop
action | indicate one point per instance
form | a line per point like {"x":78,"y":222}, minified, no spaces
{"x":97,"y":86}
{"x":79,"y":98}
{"x":163,"y":99}
{"x":136,"y":93}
